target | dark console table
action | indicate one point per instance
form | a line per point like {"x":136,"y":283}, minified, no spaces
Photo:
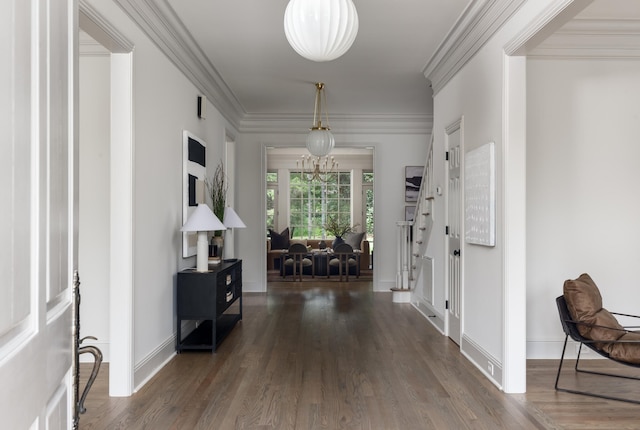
{"x":205,"y":297}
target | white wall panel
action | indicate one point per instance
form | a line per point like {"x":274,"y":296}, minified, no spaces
{"x":56,"y":141}
{"x":58,"y":409}
{"x":36,"y":185}
{"x":15,"y":169}
{"x":582,"y":180}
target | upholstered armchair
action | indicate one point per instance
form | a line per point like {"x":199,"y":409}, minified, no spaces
{"x":585,"y":320}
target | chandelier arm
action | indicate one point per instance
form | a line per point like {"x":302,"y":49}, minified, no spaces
{"x":317,"y":169}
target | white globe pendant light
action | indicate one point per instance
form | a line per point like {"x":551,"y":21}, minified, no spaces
{"x":321,"y":30}
{"x":320,"y":141}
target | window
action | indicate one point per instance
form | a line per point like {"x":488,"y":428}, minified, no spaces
{"x":272,"y":199}
{"x":367,"y":206}
{"x":311,"y":202}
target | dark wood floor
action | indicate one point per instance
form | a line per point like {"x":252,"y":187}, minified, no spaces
{"x":337,"y":356}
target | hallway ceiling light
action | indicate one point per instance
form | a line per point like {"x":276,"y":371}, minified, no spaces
{"x":320,"y":141}
{"x":321,"y":30}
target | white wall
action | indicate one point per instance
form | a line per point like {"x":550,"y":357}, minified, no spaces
{"x":391,"y":154}
{"x":164,"y":104}
{"x":93,"y":240}
{"x":477,"y":93}
{"x":583,"y":128}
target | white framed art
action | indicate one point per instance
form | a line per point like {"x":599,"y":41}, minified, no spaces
{"x":480,"y":196}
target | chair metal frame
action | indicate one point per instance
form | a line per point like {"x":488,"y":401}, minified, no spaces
{"x":570,"y":328}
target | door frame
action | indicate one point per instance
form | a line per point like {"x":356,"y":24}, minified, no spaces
{"x":121,"y":271}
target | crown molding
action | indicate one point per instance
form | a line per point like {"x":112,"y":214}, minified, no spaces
{"x":340,"y":124}
{"x":592,"y":39}
{"x":88,"y":48}
{"x":160,"y":23}
{"x":477,"y":24}
{"x":101,"y":30}
{"x":543,"y":25}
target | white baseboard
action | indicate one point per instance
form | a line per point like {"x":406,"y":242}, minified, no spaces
{"x":485,"y":362}
{"x":253,"y":287}
{"x":159,"y":357}
{"x":153,"y":363}
{"x":383,"y":285}
{"x":545,"y":350}
{"x":429,"y":312}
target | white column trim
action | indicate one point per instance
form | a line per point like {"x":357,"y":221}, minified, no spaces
{"x":514,"y":165}
{"x":121,"y":369}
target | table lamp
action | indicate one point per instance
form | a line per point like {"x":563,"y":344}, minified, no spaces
{"x":232,"y":220}
{"x":203,"y":220}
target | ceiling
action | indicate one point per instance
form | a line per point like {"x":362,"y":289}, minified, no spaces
{"x":382,"y":73}
{"x":244,"y":49}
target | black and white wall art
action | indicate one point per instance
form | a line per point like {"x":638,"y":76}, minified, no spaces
{"x":194,"y":172}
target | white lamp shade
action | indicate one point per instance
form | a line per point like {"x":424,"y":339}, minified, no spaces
{"x":231,"y":219}
{"x":320,"y":142}
{"x":321,"y":30}
{"x":203,"y":219}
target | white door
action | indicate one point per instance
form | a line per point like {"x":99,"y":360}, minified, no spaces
{"x":38,"y":216}
{"x":454,"y":297}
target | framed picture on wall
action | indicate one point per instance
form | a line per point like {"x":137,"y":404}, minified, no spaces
{"x":194,"y":170}
{"x":409,"y":213}
{"x":412,"y":181}
{"x":480,"y":195}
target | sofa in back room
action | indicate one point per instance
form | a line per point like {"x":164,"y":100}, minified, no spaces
{"x":273,"y":255}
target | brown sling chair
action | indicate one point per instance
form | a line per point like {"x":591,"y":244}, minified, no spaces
{"x":585,"y":320}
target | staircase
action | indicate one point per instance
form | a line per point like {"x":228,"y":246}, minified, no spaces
{"x":419,"y":231}
{"x":423,"y":219}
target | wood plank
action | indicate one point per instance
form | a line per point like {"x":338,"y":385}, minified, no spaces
{"x":326,"y":355}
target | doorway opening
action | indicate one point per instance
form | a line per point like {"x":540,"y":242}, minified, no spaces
{"x":113,"y":114}
{"x":300,"y":204}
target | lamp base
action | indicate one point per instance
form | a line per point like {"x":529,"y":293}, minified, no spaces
{"x":202,"y":263}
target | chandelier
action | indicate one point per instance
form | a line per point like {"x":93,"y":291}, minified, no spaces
{"x":317,"y":168}
{"x":320,"y":141}
{"x":321,"y":30}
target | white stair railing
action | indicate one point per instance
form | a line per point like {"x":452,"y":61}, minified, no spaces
{"x":423,"y":219}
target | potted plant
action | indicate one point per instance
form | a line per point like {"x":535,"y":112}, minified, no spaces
{"x":217,"y":187}
{"x":338,"y":229}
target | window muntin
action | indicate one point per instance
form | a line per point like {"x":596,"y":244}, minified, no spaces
{"x":311,"y":202}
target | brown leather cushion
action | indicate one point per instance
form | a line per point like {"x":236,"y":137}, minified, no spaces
{"x":583,"y":300}
{"x":627,"y":352}
{"x":604,"y":318}
{"x":585,"y":305}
